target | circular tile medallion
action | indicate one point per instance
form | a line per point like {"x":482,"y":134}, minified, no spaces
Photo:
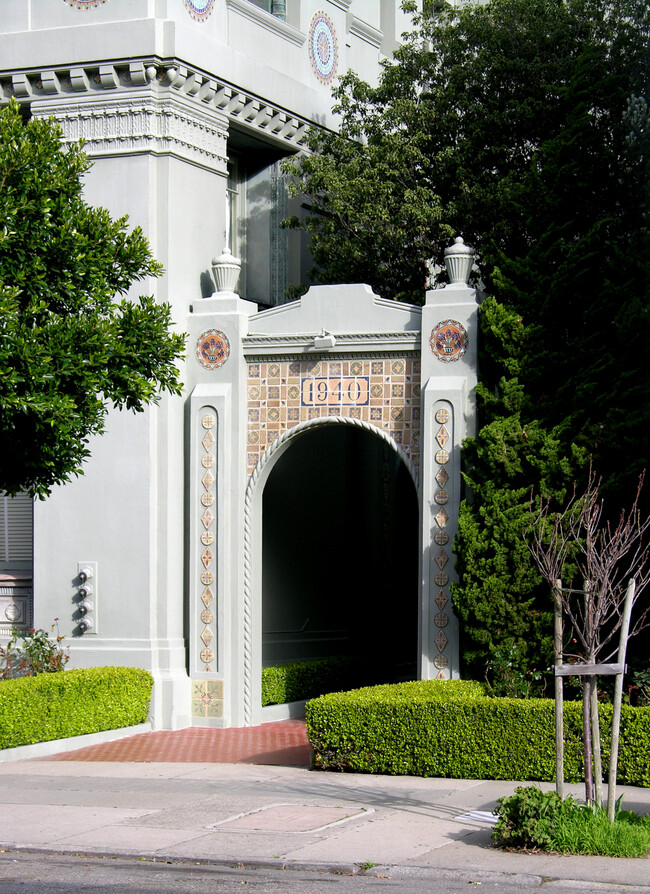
{"x":85,"y":4}
{"x":323,"y":47}
{"x":199,"y":9}
{"x":212,"y":349}
{"x":449,"y":341}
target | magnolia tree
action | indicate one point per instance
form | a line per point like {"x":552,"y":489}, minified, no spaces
{"x":71,"y":343}
{"x":612,"y":562}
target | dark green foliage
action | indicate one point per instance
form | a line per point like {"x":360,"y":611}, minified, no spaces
{"x":451,"y":729}
{"x":72,"y":703}
{"x":283,"y":683}
{"x":533,"y":819}
{"x":530,"y":817}
{"x":525,"y":127}
{"x":68,"y":349}
{"x":501,"y":601}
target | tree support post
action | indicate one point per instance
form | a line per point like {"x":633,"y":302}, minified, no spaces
{"x":559,"y":691}
{"x":618,"y":699}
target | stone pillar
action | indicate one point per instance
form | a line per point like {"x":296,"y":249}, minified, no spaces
{"x":449,"y":375}
{"x":220,"y":657}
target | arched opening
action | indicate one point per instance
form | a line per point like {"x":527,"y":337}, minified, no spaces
{"x":340,"y":555}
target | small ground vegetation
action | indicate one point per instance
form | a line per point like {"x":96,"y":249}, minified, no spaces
{"x":531,"y":819}
{"x":33,"y":652}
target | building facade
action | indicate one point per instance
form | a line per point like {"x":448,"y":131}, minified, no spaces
{"x":310,"y":471}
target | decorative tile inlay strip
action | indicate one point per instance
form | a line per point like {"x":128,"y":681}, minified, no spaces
{"x":444,"y":434}
{"x":206,"y":558}
{"x":384,"y":393}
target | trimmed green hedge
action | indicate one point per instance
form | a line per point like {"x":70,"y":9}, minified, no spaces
{"x":283,"y":683}
{"x":72,"y":703}
{"x":436,"y":728}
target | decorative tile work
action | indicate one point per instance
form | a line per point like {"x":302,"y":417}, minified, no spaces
{"x":323,"y":47}
{"x":207,"y":421}
{"x":85,"y":4}
{"x":212,"y":349}
{"x":200,"y":10}
{"x":449,"y":341}
{"x":207,"y":698}
{"x":385,"y":393}
{"x":443,"y":435}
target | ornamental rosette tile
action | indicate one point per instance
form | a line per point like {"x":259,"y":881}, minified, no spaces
{"x":449,"y":341}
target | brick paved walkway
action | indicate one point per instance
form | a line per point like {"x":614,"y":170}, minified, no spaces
{"x":282,"y":744}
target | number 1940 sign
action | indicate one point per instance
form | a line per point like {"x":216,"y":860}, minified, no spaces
{"x":348,"y":391}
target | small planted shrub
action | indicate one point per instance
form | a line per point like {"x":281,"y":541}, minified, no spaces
{"x":33,"y":652}
{"x":537,"y":820}
{"x":530,"y":818}
{"x":73,"y":703}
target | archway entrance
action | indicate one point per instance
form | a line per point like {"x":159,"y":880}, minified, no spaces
{"x":340,"y":552}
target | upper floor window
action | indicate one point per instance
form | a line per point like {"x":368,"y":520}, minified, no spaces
{"x":277,"y":8}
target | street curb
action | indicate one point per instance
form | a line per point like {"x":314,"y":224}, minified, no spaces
{"x":388,"y":871}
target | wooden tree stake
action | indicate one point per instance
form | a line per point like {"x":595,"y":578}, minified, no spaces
{"x":618,"y":699}
{"x":559,"y":691}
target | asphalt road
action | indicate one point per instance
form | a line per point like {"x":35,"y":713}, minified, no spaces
{"x":35,"y":873}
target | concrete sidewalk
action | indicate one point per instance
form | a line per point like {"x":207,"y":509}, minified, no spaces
{"x":284,"y":817}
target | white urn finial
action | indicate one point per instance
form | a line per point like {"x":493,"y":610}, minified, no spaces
{"x":226,"y":270}
{"x":459,"y":259}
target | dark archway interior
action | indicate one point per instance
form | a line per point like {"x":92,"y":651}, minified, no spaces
{"x":340,"y":555}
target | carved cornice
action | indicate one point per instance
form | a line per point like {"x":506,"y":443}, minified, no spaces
{"x":358,"y":343}
{"x":132,"y":124}
{"x":158,"y":78}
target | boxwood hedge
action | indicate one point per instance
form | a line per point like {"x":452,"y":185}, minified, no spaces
{"x":450,"y":728}
{"x":72,"y":703}
{"x":283,"y":683}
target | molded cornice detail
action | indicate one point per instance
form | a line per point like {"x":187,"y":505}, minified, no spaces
{"x":364,"y":31}
{"x":162,"y":124}
{"x":353,"y":343}
{"x":209,"y":99}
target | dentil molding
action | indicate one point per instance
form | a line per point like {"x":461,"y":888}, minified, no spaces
{"x":50,"y":90}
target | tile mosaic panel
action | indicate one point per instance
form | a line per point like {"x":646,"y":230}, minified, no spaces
{"x":207,"y":421}
{"x":207,"y":698}
{"x":443,"y":435}
{"x":385,"y":393}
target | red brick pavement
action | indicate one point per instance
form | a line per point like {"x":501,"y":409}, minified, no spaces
{"x":282,"y":743}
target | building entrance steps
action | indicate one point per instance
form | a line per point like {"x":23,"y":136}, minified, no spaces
{"x":282,"y":743}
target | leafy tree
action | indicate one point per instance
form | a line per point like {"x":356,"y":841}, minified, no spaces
{"x":68,"y":349}
{"x":524,"y":125}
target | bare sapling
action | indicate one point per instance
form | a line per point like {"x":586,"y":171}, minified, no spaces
{"x":612,"y":564}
